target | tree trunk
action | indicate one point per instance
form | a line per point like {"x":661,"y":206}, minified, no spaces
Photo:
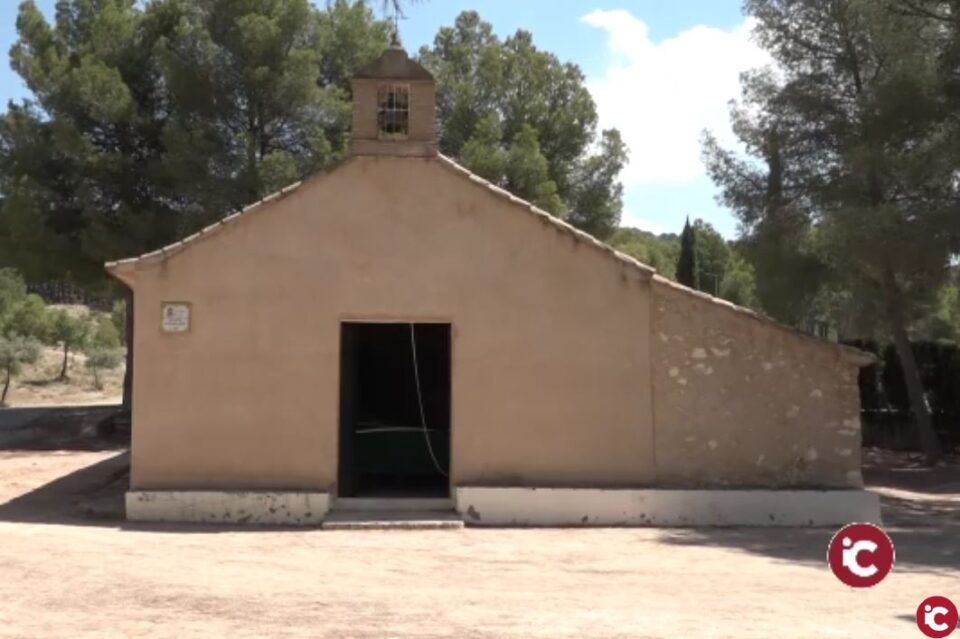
{"x":63,"y":369}
{"x":128,"y":373}
{"x":911,"y":373}
{"x":6,"y":387}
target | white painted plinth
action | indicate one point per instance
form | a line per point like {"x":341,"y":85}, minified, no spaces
{"x":228,"y":507}
{"x":666,"y":508}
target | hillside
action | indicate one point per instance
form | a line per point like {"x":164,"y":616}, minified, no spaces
{"x":38,"y":384}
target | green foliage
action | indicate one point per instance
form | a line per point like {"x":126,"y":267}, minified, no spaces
{"x":28,"y":317}
{"x":790,"y":272}
{"x":854,"y":153}
{"x":739,"y":282}
{"x":522,"y":168}
{"x":103,"y":334}
{"x":15,"y":351}
{"x":25,"y":322}
{"x":276,"y":114}
{"x":66,"y":328}
{"x":713,"y":256}
{"x":942,"y":319}
{"x":118,"y":315}
{"x":528,"y":173}
{"x":12,"y":290}
{"x":660,"y":252}
{"x":596,"y":194}
{"x":524,"y":120}
{"x":688,"y":271}
{"x":854,"y":156}
{"x":149,"y":119}
{"x":102,"y":359}
{"x":483,"y":154}
{"x":20,"y":313}
{"x":81,"y":171}
{"x":70,"y":332}
{"x":720,"y":265}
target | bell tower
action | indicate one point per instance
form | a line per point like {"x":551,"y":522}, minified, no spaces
{"x":394,"y":107}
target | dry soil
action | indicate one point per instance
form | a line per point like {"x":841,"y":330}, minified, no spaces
{"x":70,"y":568}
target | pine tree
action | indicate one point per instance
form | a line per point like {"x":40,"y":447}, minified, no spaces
{"x":483,"y":153}
{"x":687,"y":272}
{"x":854,"y":146}
{"x":146,"y":120}
{"x":528,"y":174}
{"x":542,"y":113}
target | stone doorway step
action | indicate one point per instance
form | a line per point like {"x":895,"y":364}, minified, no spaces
{"x":392,"y":514}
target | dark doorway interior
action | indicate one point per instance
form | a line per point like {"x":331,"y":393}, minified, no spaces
{"x":383,"y":446}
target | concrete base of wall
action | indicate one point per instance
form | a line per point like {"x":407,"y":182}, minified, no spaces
{"x":667,"y":508}
{"x":534,"y":507}
{"x":228,"y":507}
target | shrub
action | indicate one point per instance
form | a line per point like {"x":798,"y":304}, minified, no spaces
{"x":103,"y":333}
{"x":28,"y":317}
{"x":100,"y":359}
{"x":70,"y":332}
{"x":12,"y":289}
{"x":15,"y":351}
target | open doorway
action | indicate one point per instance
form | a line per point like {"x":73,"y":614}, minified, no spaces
{"x":394,"y":410}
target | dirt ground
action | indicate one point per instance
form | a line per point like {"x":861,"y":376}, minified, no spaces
{"x":69,"y":566}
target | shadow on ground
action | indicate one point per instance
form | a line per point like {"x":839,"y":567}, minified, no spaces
{"x":920,"y":509}
{"x":92,"y":495}
{"x":918,"y":549}
{"x":921,"y":506}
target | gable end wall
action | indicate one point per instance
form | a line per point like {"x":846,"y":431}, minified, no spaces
{"x":550,"y":367}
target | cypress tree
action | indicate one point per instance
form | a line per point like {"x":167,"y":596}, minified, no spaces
{"x":687,"y":271}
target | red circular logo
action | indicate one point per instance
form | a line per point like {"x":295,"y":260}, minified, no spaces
{"x":861,"y":555}
{"x":937,"y":617}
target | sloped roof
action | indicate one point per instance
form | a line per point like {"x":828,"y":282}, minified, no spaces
{"x":179,"y":245}
{"x":393,"y":64}
{"x":647,"y":271}
{"x":859,"y":357}
{"x":444,"y":161}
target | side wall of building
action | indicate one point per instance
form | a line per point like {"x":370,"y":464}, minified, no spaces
{"x":551,"y":351}
{"x":742,"y":402}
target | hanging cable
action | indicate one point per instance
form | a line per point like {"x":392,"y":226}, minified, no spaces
{"x":423,"y":417}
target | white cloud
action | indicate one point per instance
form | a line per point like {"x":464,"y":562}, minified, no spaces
{"x":663,"y":95}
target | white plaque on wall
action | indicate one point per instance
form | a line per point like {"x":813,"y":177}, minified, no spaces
{"x":175,"y":317}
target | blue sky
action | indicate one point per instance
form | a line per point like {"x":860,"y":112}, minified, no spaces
{"x":661,"y":71}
